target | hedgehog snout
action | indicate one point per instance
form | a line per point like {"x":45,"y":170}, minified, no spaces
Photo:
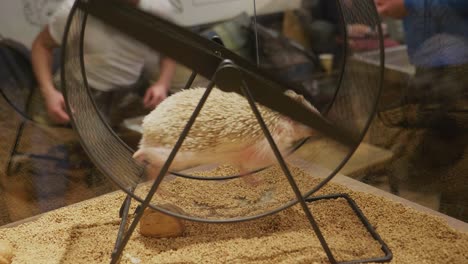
{"x":141,"y":157}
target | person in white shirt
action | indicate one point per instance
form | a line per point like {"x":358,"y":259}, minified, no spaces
{"x":113,"y":61}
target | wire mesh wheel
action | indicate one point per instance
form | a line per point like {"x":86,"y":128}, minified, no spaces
{"x":351,"y":108}
{"x":348,"y":110}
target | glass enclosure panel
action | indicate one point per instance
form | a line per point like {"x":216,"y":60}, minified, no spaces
{"x":328,"y":51}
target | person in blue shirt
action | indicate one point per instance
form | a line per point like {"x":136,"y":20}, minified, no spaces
{"x":436,"y":33}
{"x":436,"y":30}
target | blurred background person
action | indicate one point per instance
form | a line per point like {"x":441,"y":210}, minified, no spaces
{"x":114,"y":63}
{"x":436,"y":33}
{"x":114,"y":69}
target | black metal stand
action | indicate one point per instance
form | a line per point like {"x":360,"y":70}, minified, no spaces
{"x":388,"y":254}
{"x":13,"y":152}
{"x":230,"y":72}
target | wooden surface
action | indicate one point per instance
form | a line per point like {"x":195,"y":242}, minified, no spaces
{"x":364,"y":158}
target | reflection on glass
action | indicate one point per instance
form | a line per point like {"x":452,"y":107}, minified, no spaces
{"x":426,"y":115}
{"x":416,"y":148}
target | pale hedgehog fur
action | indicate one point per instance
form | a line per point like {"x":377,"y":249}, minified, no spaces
{"x":226,"y":119}
{"x":225,"y":126}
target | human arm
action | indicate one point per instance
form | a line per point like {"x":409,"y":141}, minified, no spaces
{"x":42,"y":58}
{"x":158,"y":91}
{"x":392,"y":8}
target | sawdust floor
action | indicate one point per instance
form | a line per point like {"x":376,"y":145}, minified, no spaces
{"x":85,"y":233}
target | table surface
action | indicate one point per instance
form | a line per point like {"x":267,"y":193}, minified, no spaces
{"x":365,"y":157}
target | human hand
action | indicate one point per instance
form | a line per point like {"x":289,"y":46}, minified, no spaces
{"x":155,"y":95}
{"x":391,"y":8}
{"x":362,"y":31}
{"x":359,"y":30}
{"x":56,"y":109}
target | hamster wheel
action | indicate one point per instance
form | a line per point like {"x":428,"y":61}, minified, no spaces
{"x":341,"y":126}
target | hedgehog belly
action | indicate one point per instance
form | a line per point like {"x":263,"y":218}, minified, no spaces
{"x":244,"y":157}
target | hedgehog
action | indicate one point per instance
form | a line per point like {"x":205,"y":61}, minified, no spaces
{"x":225,"y":132}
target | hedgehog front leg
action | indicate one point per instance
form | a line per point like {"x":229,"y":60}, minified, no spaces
{"x":254,"y":157}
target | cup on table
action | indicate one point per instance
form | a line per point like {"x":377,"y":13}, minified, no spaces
{"x":326,"y":60}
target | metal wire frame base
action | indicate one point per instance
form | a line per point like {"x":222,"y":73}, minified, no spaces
{"x":230,"y":72}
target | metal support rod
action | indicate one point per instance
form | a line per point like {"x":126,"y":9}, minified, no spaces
{"x":257,"y":54}
{"x":13,"y":152}
{"x":123,"y":214}
{"x":194,"y":74}
{"x":162,"y":173}
{"x":123,"y":224}
{"x":117,"y":252}
{"x":124,"y":209}
{"x":190,"y":80}
{"x":286,"y":171}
